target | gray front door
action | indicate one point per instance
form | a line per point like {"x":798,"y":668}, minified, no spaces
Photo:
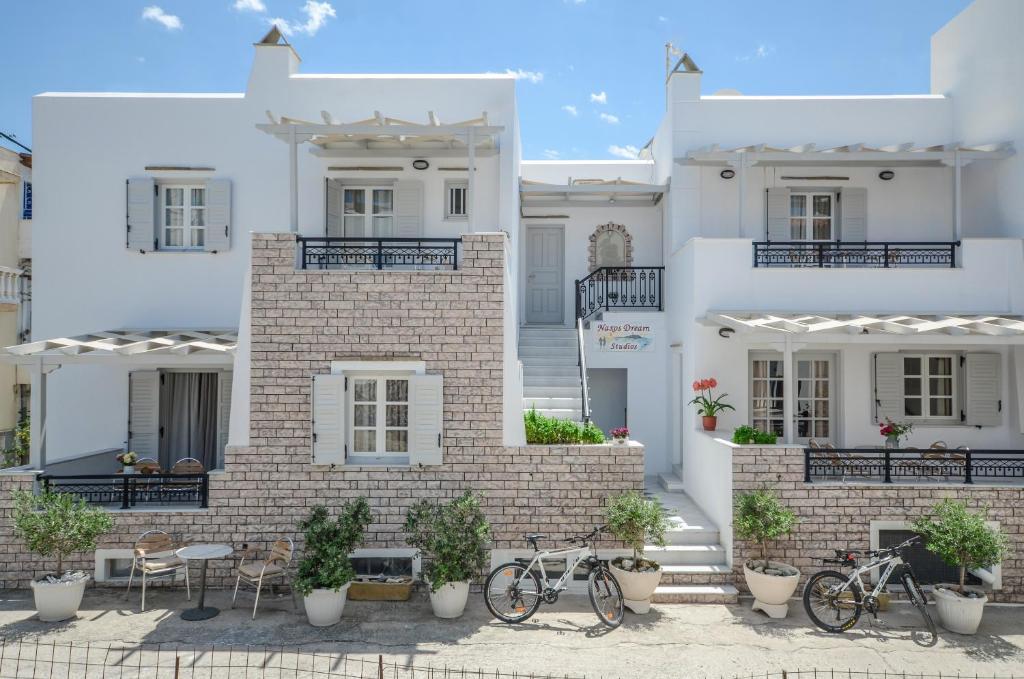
{"x":545,"y":277}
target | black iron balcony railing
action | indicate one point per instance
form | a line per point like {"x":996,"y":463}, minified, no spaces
{"x":379,"y":253}
{"x":131,"y":490}
{"x":620,"y":287}
{"x":837,"y":254}
{"x":909,"y":466}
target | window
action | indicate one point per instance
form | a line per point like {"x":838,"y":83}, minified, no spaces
{"x":929,"y":385}
{"x":811,"y":216}
{"x":183,"y":217}
{"x":380,"y":416}
{"x":455,"y":196}
{"x":814,"y":400}
{"x":766,"y":394}
{"x":369,"y":212}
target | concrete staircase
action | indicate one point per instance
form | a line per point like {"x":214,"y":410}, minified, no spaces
{"x":551,"y":373}
{"x":693,"y":562}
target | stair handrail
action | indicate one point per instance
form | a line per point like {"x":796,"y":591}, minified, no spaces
{"x":583,"y":370}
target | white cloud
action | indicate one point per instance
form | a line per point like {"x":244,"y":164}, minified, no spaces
{"x":552,"y":154}
{"x":628,"y":151}
{"x":662,"y":19}
{"x":317,"y":14}
{"x":599,"y":98}
{"x":250,"y":6}
{"x":762,"y":51}
{"x":531,"y":76}
{"x":609,"y":118}
{"x":571,"y":110}
{"x":168,"y":21}
{"x":141,"y":60}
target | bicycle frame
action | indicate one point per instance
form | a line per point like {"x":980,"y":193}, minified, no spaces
{"x":891,"y":563}
{"x":582,"y":553}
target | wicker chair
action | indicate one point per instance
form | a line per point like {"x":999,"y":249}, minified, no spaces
{"x":274,"y":568}
{"x":188,"y":465}
{"x":153,"y":556}
{"x":147,"y":465}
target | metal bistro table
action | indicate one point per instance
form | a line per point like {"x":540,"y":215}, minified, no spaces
{"x":203,"y":553}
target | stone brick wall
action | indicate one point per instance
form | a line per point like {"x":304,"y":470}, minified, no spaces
{"x":836,"y":516}
{"x":451,"y":320}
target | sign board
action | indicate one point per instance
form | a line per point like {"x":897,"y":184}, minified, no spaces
{"x":628,"y":337}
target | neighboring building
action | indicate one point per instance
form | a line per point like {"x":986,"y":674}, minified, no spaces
{"x":332,"y":285}
{"x":15,"y":284}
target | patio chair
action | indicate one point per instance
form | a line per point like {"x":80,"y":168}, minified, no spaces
{"x":153,"y":556}
{"x":176,"y":488}
{"x":188,"y":465}
{"x":147,"y":465}
{"x":274,"y":568}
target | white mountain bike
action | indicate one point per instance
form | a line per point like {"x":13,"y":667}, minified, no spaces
{"x":513,"y":592}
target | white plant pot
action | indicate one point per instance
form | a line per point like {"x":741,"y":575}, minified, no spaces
{"x":450,"y":600}
{"x":325,"y":606}
{"x":58,"y":600}
{"x":957,"y":613}
{"x":637,"y":588}
{"x":772,"y":592}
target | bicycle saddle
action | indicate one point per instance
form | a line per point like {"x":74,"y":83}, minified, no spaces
{"x":531,"y":539}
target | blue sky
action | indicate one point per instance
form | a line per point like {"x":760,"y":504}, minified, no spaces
{"x":592,"y":71}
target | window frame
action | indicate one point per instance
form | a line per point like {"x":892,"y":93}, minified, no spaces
{"x":449,"y":186}
{"x":368,"y":215}
{"x":955,"y":397}
{"x":767,"y":356}
{"x":186,"y":226}
{"x":381,"y":404}
{"x":808,"y":218}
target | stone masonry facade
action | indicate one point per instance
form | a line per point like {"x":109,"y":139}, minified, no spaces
{"x":839,"y":515}
{"x":301,"y":320}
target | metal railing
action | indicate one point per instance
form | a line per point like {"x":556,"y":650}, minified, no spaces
{"x":584,"y":388}
{"x":889,"y":465}
{"x":837,"y":254}
{"x":130,"y":490}
{"x":620,"y":287}
{"x":379,"y":253}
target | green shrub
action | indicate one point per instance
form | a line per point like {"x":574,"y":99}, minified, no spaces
{"x":960,"y":538}
{"x":543,"y":430}
{"x":745,"y":435}
{"x":451,"y":537}
{"x":761,"y":518}
{"x":634,"y":519}
{"x":17,"y":455}
{"x":325,"y":562}
{"x":58,"y":524}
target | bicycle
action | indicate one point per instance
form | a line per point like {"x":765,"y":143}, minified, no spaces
{"x":832,"y":595}
{"x":513,"y":592}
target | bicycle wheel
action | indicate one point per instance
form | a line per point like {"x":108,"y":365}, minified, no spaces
{"x":606,"y":596}
{"x":512,"y":593}
{"x":829,"y":604}
{"x":918,"y":598}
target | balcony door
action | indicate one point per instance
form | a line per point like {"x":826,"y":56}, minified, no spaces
{"x":360,"y":211}
{"x":545,"y":274}
{"x":812,"y":216}
{"x":814,"y":403}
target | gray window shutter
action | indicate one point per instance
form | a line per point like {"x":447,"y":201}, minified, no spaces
{"x":332,"y":202}
{"x":778,"y":214}
{"x":141,"y":214}
{"x":408,"y":209}
{"x":426,"y":419}
{"x":854,"y":215}
{"x":888,"y":386}
{"x":144,"y":412}
{"x":223,"y":411}
{"x":983,"y":391}
{"x":218,"y":215}
{"x":328,"y":410}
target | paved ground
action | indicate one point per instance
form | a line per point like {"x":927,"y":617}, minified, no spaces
{"x":565,"y":639}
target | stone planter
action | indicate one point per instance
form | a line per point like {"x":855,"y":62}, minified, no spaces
{"x":58,"y":600}
{"x":620,"y":441}
{"x":710,"y":422}
{"x":771,"y":592}
{"x":325,"y":606}
{"x":959,"y":614}
{"x":450,"y":600}
{"x":637,"y":587}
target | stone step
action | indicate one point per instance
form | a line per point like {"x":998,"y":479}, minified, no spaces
{"x":576,"y":415}
{"x":706,"y":570}
{"x":671,"y":482}
{"x":697,"y":579}
{"x":528,"y":354}
{"x":550,"y":360}
{"x":555,"y":341}
{"x":568,"y":390}
{"x":686,"y":555}
{"x":695,"y":594}
{"x":681,"y":534}
{"x":547,"y":334}
{"x":552,"y":402}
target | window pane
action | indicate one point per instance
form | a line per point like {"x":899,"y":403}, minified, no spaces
{"x":173,"y":238}
{"x":941,"y":407}
{"x":354,"y":227}
{"x":398,"y":416}
{"x":174,"y":196}
{"x":396,"y":441}
{"x":821,"y":429}
{"x":198,"y":197}
{"x":803,"y":428}
{"x":797,"y":230}
{"x":364,"y":441}
{"x":803,"y":369}
{"x":821,"y":389}
{"x":798,"y":206}
{"x":940,"y":365}
{"x":365,"y":390}
{"x":940,"y":386}
{"x":760,"y":369}
{"x":174,"y":216}
{"x":775,"y":369}
{"x":912,"y":386}
{"x":365,"y":415}
{"x":760,"y":388}
{"x":355,"y":202}
{"x":382,"y":227}
{"x":823,"y":206}
{"x":198,"y":238}
{"x":821,"y":409}
{"x":383,"y":201}
{"x":911,"y":365}
{"x":397,"y":390}
{"x":198,"y":217}
{"x":821,"y":369}
{"x":822,"y":229}
{"x":912,"y":406}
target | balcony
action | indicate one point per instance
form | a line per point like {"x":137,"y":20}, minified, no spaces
{"x":379,"y":253}
{"x":10,"y":293}
{"x":620,"y":288}
{"x":914,"y":466}
{"x":134,"y":491}
{"x":836,"y":254}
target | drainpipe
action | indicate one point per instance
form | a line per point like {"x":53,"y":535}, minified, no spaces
{"x":293,"y":180}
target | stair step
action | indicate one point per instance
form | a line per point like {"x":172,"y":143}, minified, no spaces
{"x":695,"y":594}
{"x":565,"y":354}
{"x":551,"y":371}
{"x":671,"y":483}
{"x":542,"y":402}
{"x":692,"y":535}
{"x":705,"y":569}
{"x":686,"y":555}
{"x":562,"y":413}
{"x":549,"y":361}
{"x":552,"y":390}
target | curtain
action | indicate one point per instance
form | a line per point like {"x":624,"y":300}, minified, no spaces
{"x":188,"y":418}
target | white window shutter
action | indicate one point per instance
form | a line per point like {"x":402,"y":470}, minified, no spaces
{"x":426,"y":419}
{"x":778,"y":214}
{"x":141,"y":214}
{"x":984,"y":390}
{"x":408,"y":209}
{"x":853,"y":226}
{"x":223,"y":410}
{"x":332,"y":202}
{"x":218,"y":215}
{"x":144,"y":412}
{"x":888,"y":386}
{"x":328,"y":410}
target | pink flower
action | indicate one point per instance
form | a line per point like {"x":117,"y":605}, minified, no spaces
{"x":712,"y":383}
{"x":697,"y":385}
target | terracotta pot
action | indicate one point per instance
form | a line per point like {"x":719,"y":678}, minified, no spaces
{"x":710,"y":422}
{"x":958,"y":613}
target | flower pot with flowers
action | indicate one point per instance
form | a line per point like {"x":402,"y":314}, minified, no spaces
{"x":709,"y":405}
{"x":620,"y":434}
{"x":894,"y":431}
{"x":128,"y":461}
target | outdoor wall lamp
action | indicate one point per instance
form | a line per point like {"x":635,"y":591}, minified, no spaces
{"x":886,"y":175}
{"x":420,"y":164}
{"x":725,"y":333}
{"x":727,"y":174}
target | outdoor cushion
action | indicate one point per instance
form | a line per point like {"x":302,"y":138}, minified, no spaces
{"x":252,"y":570}
{"x":162,"y":563}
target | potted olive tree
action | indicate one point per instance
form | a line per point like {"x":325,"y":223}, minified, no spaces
{"x":964,"y":540}
{"x":325,"y":571}
{"x":761,"y":518}
{"x":58,"y":525}
{"x":634,"y":519}
{"x":452,"y":541}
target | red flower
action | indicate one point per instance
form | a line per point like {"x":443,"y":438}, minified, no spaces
{"x":712,"y":383}
{"x":697,"y":385}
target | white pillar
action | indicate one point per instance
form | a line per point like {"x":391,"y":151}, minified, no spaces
{"x":293,"y":181}
{"x":37,"y":413}
{"x":788,"y":390}
{"x":471,"y":171}
{"x":742,"y":170}
{"x":958,"y":202}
